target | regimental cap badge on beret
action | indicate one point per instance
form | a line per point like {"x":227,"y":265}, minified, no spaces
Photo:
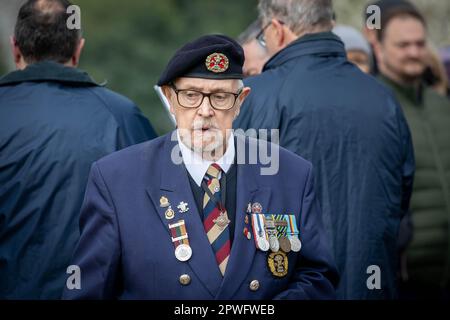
{"x":217,"y":62}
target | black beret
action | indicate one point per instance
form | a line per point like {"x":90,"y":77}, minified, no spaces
{"x":210,"y":57}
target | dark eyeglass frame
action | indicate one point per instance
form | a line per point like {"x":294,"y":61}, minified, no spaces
{"x":260,"y":36}
{"x":236,"y":95}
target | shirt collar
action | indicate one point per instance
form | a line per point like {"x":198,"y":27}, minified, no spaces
{"x":197,"y":166}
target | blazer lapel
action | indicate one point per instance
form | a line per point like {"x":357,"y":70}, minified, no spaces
{"x":175,"y":187}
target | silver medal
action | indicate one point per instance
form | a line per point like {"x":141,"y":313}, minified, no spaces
{"x":274,"y":244}
{"x":263,"y":244}
{"x":183,"y":252}
{"x":296,"y":245}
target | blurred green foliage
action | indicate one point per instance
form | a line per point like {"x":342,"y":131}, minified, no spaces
{"x":128,"y":43}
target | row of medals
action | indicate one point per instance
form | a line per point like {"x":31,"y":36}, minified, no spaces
{"x":272,"y":238}
{"x":275,"y":241}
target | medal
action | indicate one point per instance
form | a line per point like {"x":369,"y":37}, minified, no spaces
{"x":169,"y":214}
{"x":180,"y":240}
{"x":274,"y":244}
{"x":183,"y":207}
{"x":285,"y":244}
{"x":163,"y":202}
{"x":296,"y":245}
{"x":278,"y":263}
{"x":281,"y":227}
{"x":292,"y":232}
{"x":249,"y":208}
{"x":222,"y":220}
{"x":256,"y":208}
{"x":183,"y":252}
{"x":259,"y":232}
{"x":247,"y":234}
{"x":263,"y":244}
{"x":272,"y":233}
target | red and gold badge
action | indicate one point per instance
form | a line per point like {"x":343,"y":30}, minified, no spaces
{"x":217,"y":62}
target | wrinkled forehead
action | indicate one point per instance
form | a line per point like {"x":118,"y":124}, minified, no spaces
{"x":208,"y":85}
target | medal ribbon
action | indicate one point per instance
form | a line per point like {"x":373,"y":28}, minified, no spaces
{"x":292,"y":225}
{"x":179,"y":233}
{"x":258,"y":227}
{"x":281,"y":228}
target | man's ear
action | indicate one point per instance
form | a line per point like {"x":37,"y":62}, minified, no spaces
{"x":76,"y":56}
{"x":17,"y":54}
{"x":244,"y":94}
{"x":166,"y":90}
{"x":279,"y":33}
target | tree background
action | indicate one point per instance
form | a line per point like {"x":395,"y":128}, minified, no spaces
{"x":128,"y":43}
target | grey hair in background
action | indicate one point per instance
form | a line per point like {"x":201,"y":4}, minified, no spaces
{"x":299,"y":15}
{"x":250,"y":33}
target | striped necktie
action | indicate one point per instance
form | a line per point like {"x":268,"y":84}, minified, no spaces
{"x":215,"y":218}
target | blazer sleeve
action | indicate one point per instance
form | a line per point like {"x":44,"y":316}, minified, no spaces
{"x":98,"y":250}
{"x":315,"y":275}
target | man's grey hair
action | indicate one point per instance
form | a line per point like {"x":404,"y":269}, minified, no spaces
{"x":301,"y":16}
{"x":250,"y":33}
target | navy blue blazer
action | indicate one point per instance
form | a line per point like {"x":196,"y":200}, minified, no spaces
{"x":125,"y":250}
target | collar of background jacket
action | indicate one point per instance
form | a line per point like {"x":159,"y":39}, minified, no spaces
{"x":309,"y":44}
{"x":411,"y":93}
{"x":49,"y":71}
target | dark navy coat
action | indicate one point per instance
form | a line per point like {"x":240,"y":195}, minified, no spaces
{"x":354,"y":133}
{"x":54,"y":123}
{"x":125,"y":250}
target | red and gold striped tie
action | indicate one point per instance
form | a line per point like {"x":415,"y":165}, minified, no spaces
{"x":215,"y":218}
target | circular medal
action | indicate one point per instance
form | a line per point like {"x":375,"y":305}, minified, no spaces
{"x":296,"y":245}
{"x":183,"y":252}
{"x":263,"y":244}
{"x":170,"y":214}
{"x":285,"y":244}
{"x":274,"y":244}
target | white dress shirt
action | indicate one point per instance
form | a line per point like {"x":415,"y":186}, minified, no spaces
{"x":197,"y":166}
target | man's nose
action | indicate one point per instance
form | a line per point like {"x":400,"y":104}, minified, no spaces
{"x":414,"y":51}
{"x":205,"y":109}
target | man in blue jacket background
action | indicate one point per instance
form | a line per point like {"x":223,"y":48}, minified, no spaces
{"x":349,"y":126}
{"x":54,"y":122}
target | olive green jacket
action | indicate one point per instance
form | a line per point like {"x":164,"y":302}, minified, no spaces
{"x":428,"y":116}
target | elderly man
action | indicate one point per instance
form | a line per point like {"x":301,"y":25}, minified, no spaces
{"x":349,"y":126}
{"x":202,"y":225}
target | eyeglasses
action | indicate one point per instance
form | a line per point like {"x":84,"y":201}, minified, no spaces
{"x":260,"y":36}
{"x":218,"y":100}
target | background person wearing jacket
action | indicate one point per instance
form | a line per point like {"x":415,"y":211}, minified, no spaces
{"x":348,"y":125}
{"x":55,"y":121}
{"x":402,"y":59}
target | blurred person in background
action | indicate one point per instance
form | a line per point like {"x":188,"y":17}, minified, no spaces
{"x":357,"y":47}
{"x":55,"y":121}
{"x":402,"y":55}
{"x":371,"y":34}
{"x":435,"y":75}
{"x":255,"y":54}
{"x":348,"y":125}
{"x":444,"y":54}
